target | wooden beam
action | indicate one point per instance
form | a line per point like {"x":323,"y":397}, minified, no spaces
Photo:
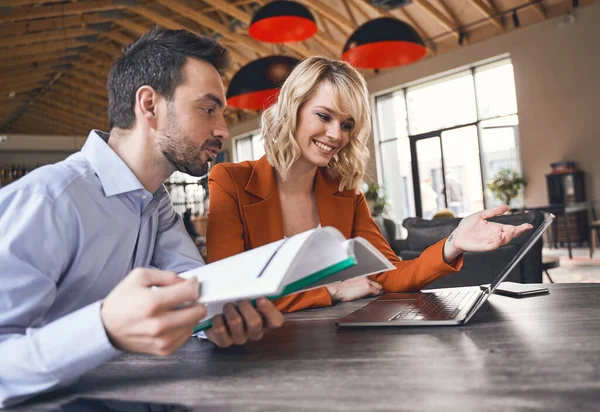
{"x":22,"y":88}
{"x":36,"y":60}
{"x":437,"y":16}
{"x":410,"y":20}
{"x":132,"y":26}
{"x":363,"y":13}
{"x":107,"y":48}
{"x":453,"y":17}
{"x":33,"y":83}
{"x":92,"y":81}
{"x":84,"y":87}
{"x":117,"y":37}
{"x":72,"y":93}
{"x":489,"y":11}
{"x":30,"y":69}
{"x":58,"y":10}
{"x":540,"y":9}
{"x":42,"y":48}
{"x":246,"y":19}
{"x":27,"y":39}
{"x":345,"y":25}
{"x":44,"y":120}
{"x":70,"y":113}
{"x":92,"y":69}
{"x":43,"y":109}
{"x":56,"y":23}
{"x":201,"y":19}
{"x":57,"y":98}
{"x":20,"y":3}
{"x":159,"y":18}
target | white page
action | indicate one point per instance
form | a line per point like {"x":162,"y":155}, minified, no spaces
{"x":369,"y":261}
{"x":236,"y":277}
{"x":317,"y":253}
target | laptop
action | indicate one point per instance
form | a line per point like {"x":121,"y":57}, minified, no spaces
{"x":450,"y":306}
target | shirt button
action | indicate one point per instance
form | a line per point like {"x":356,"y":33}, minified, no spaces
{"x":144,"y":196}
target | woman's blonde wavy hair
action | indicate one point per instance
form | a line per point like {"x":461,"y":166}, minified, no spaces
{"x":351,"y":97}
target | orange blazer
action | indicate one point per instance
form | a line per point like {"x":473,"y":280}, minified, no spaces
{"x":245,"y":213}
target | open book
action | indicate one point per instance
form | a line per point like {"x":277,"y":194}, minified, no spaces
{"x":309,"y":259}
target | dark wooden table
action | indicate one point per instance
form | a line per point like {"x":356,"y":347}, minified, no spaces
{"x":537,"y":354}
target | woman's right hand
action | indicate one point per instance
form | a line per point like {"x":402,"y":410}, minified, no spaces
{"x":354,"y":288}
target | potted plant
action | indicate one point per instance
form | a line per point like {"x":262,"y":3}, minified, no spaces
{"x":506,"y":185}
{"x":377,"y":200}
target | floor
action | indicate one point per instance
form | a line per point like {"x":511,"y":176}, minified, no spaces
{"x":580,"y":269}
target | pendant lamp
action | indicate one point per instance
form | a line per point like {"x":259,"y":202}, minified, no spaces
{"x":384,"y":42}
{"x":256,"y":85}
{"x":282,"y":22}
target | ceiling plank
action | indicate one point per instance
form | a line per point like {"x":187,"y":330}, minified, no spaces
{"x":540,"y":9}
{"x":438,"y":16}
{"x":489,"y":11}
{"x":27,"y":39}
{"x":32,"y":61}
{"x":56,"y":23}
{"x":19,"y":3}
{"x":132,"y":26}
{"x":117,"y":37}
{"x":42,"y":48}
{"x":58,"y":10}
{"x":201,"y":19}
{"x":344,"y":24}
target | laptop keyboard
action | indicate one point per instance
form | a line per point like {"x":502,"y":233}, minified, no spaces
{"x":436,"y":306}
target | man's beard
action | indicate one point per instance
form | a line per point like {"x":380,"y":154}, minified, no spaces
{"x":181,"y":153}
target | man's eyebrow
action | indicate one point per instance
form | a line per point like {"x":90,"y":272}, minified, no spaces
{"x":213,"y":98}
{"x":333,"y":112}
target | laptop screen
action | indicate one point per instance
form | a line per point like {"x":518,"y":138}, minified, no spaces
{"x":515,"y":260}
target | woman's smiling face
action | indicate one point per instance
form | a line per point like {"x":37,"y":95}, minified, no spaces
{"x":321,"y":131}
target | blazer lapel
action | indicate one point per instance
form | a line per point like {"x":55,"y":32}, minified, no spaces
{"x":263,"y":218}
{"x":335,"y":208}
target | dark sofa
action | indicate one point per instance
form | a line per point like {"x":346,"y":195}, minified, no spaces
{"x":478,"y":268}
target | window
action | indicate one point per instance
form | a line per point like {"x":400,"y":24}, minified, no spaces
{"x":249,"y":147}
{"x":440,"y":141}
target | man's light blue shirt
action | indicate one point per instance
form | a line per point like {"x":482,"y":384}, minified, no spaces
{"x":69,"y":233}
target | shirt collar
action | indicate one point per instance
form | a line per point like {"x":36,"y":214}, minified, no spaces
{"x":114,"y":174}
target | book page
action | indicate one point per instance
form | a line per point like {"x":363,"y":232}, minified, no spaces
{"x":322,"y":250}
{"x":236,"y":277}
{"x":369,"y":260}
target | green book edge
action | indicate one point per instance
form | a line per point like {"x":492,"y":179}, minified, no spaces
{"x":297,"y":285}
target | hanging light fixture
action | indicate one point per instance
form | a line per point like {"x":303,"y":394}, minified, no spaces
{"x":282,"y":21}
{"x":256,"y":85}
{"x":383,"y":42}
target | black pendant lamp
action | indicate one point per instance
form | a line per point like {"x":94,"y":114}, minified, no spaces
{"x":256,"y":85}
{"x":383,"y":42}
{"x":282,"y":22}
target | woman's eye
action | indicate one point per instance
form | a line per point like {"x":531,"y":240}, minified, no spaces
{"x":323,"y":116}
{"x":348,"y":127}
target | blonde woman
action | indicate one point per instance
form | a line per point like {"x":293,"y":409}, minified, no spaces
{"x":315,"y":139}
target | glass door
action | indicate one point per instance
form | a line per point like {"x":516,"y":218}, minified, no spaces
{"x":447,"y":171}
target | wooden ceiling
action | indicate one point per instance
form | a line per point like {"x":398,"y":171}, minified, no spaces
{"x":55,"y":54}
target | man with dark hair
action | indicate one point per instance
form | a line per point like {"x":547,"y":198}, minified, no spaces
{"x":78,"y":238}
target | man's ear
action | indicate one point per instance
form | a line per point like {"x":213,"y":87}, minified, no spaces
{"x":146,"y":101}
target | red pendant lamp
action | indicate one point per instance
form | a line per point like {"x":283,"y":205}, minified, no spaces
{"x":282,"y":21}
{"x":384,"y":42}
{"x":256,"y":85}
